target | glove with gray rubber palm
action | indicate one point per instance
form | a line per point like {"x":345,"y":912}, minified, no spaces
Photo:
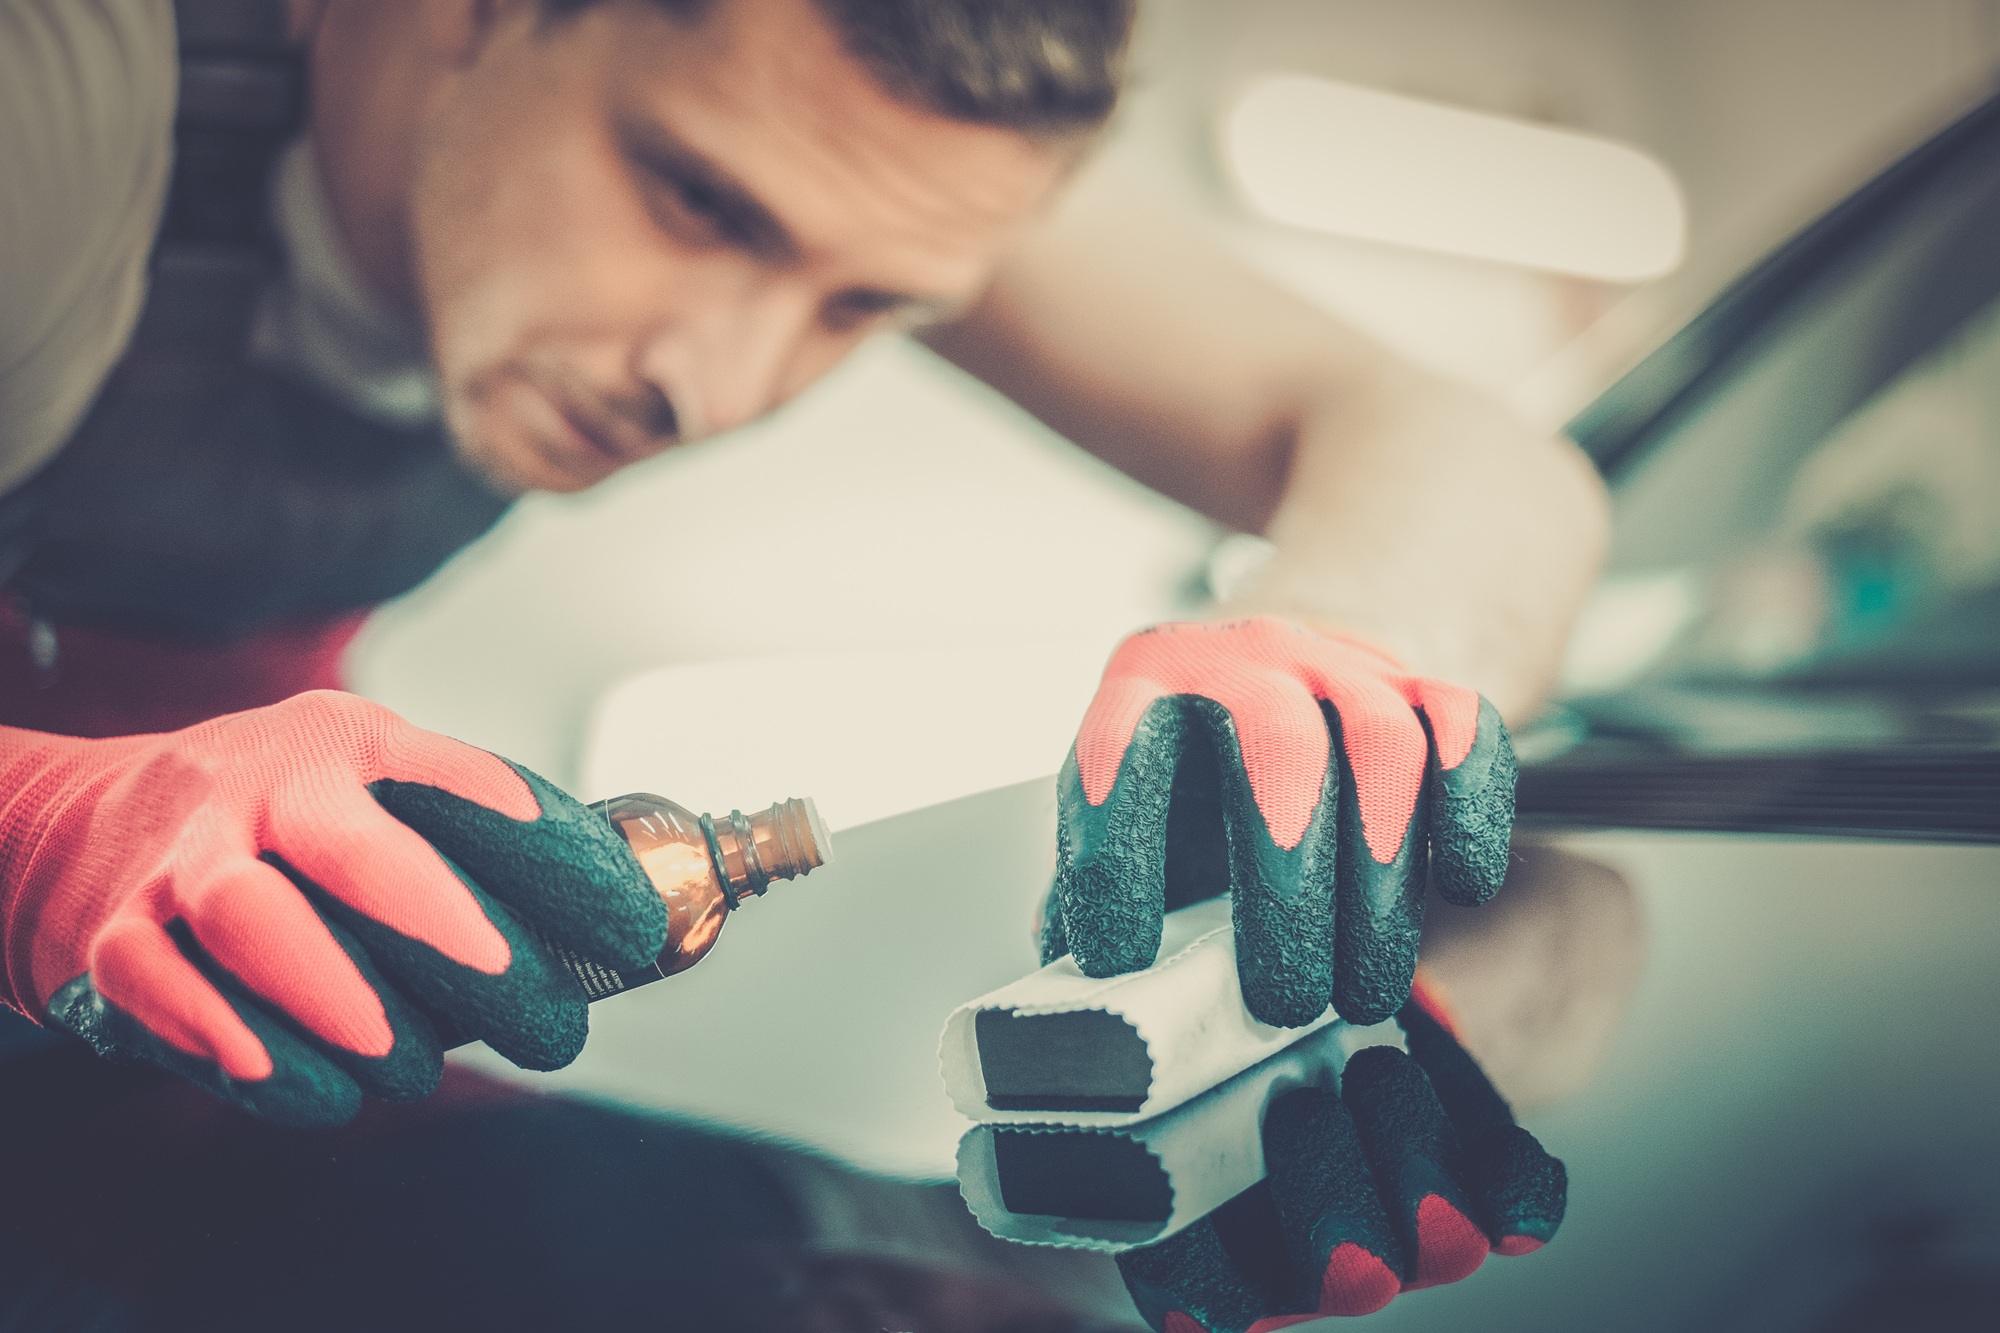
{"x":302,"y":903}
{"x":1311,"y":777}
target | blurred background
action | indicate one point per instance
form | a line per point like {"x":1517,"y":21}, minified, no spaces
{"x":1799,"y":1114}
{"x":900,"y":502}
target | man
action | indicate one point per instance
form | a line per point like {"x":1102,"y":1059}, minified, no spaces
{"x":528,"y":242}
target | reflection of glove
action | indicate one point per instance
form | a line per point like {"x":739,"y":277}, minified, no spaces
{"x":268,"y":903}
{"x":1405,"y":1179}
{"x":1206,"y":762}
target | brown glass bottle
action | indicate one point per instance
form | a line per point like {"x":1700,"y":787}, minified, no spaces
{"x":705,"y":868}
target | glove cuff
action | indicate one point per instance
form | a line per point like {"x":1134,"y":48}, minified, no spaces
{"x":49,"y":785}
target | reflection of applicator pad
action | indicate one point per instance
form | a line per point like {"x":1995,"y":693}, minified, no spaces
{"x":1057,"y":1047}
{"x":1116,"y":1187}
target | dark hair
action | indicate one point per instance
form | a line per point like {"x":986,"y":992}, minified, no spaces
{"x":1037,"y":66}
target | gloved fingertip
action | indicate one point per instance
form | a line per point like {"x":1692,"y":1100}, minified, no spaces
{"x":1472,"y":818}
{"x":553,"y":1041}
{"x":1521,"y":1187}
{"x":1178,"y":1321}
{"x":1450,"y":1246}
{"x":1372,"y":992}
{"x":1466,"y":877}
{"x":1513,"y":1247}
{"x":1369,"y":1064}
{"x":1285,"y":950}
{"x":1280,"y":1000}
{"x":1364,"y":1013}
{"x":322,"y":1107}
{"x":1357,"y":1281}
{"x":1109,"y":928}
{"x":1380,"y":928}
{"x":1102,"y":963}
{"x":631,"y":946}
{"x":304,"y":1090}
{"x":410,"y":1073}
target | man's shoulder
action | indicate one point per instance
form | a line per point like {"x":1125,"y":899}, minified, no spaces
{"x":87,"y":95}
{"x":86,"y":87}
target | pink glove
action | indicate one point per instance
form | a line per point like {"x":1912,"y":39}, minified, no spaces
{"x":278,"y":903}
{"x":1308,"y":775}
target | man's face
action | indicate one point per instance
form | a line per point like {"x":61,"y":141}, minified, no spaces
{"x":630,"y":232}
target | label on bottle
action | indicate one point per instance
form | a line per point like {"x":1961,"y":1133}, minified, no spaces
{"x":598,"y":980}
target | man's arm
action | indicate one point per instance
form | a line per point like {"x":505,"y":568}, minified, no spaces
{"x":1406,"y":510}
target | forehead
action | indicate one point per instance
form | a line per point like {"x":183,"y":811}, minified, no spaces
{"x":765,"y":90}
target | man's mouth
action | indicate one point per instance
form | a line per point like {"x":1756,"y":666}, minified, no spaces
{"x":599,"y":428}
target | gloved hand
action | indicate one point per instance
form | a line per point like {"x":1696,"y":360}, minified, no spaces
{"x":1406,"y":1178}
{"x":1309,"y":776}
{"x":275,"y":903}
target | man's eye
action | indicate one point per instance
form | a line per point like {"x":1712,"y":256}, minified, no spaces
{"x":692,"y":210}
{"x":688,"y":207}
{"x":849,"y":310}
{"x":701,"y":201}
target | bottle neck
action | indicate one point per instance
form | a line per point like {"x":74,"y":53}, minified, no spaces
{"x":749,"y":851}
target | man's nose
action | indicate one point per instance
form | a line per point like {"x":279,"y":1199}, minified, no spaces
{"x":729,"y":367}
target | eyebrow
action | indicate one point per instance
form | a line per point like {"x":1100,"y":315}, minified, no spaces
{"x":746,"y":219}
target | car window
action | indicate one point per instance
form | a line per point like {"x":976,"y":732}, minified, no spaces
{"x":1807,"y":479}
{"x":1876,"y":557}
{"x":1800,"y":630}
